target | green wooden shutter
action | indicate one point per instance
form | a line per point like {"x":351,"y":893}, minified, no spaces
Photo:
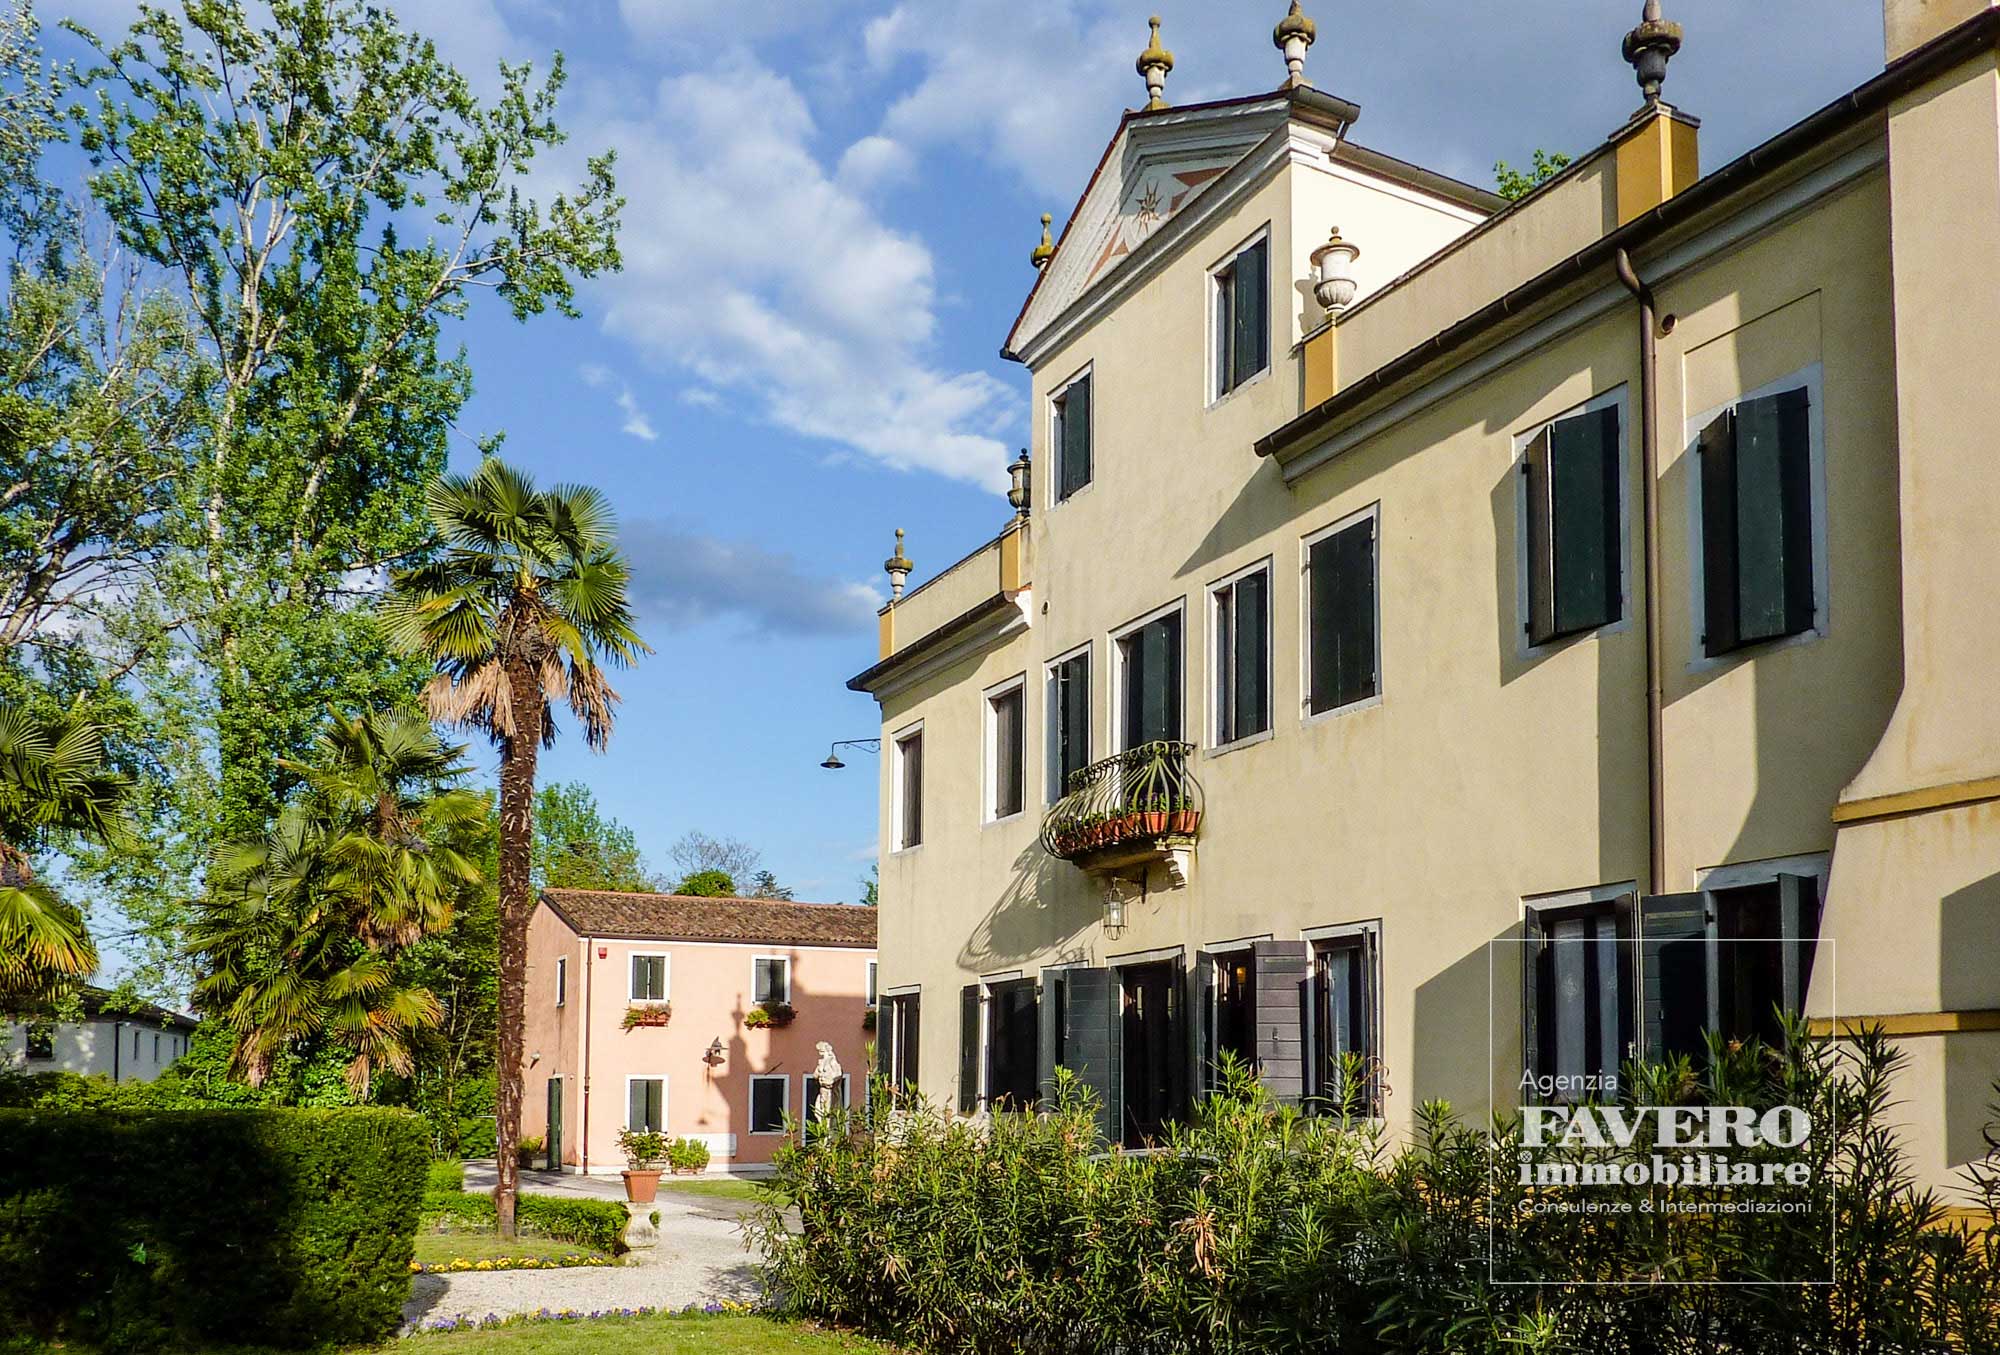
{"x":1354,"y":614}
{"x":635,"y":1105}
{"x":1541,"y":622}
{"x":1090,"y":1043}
{"x":1251,"y":666}
{"x":968,"y":1048}
{"x":1798,"y":907}
{"x":1249,"y":313}
{"x":910,"y":1039}
{"x":1677,"y":990}
{"x":1075,"y":430}
{"x":1050,"y":1013}
{"x":1584,"y":542}
{"x":1720,"y":632}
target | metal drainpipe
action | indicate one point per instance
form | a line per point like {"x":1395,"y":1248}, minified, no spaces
{"x":1650,"y":327}
{"x":589,"y":992}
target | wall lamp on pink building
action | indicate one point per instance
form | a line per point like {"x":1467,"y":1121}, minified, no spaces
{"x":714,"y":1055}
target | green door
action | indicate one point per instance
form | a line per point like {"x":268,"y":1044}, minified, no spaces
{"x":555,"y":1124}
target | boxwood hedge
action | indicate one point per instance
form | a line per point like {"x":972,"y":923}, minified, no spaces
{"x":147,"y":1230}
{"x":586,"y":1222}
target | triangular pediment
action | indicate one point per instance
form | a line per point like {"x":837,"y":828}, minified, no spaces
{"x":1156,"y":165}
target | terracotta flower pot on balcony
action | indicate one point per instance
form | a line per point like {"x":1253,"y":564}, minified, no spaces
{"x":641,"y":1186}
{"x":1185,"y":821}
{"x":1153,"y":822}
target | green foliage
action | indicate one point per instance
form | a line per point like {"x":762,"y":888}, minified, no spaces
{"x":770,"y":1015}
{"x":644,"y":1150}
{"x":687,"y":1155}
{"x":445,"y":1178}
{"x":708,"y":884}
{"x":137,"y":1231}
{"x":566,"y":1218}
{"x":578,"y":846}
{"x":1513,"y":183}
{"x":871,"y":887}
{"x":1258,"y":1229}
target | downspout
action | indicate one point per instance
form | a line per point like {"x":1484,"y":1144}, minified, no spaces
{"x":1650,"y":327}
{"x":589,"y":992}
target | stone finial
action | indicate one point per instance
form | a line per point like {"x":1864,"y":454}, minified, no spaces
{"x":1045,"y":250}
{"x":1018,"y":482}
{"x":1649,"y":48}
{"x":1294,"y":33}
{"x":898,"y":568}
{"x":1153,"y":65}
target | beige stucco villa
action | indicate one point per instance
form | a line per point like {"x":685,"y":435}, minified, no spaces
{"x":1479,"y":637}
{"x":644,"y":1013}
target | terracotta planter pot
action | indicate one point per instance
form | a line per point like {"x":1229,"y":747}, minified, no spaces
{"x":1153,"y":823}
{"x":641,"y":1187}
{"x":1185,"y":821}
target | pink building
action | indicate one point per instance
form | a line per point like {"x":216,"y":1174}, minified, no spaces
{"x":639,"y":1011}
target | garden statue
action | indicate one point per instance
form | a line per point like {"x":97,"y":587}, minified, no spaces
{"x":827,"y":1074}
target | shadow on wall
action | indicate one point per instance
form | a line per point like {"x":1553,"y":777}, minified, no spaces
{"x":1968,"y":934}
{"x":1458,"y":1018}
{"x":1043,"y":909}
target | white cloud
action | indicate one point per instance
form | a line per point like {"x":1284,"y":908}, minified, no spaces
{"x":636,"y":421}
{"x":876,"y":161}
{"x":682,"y":577}
{"x":752,"y":267}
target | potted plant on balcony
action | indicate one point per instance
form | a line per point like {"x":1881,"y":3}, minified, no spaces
{"x":1185,"y":818}
{"x":647,"y":1014}
{"x":1154,"y":816}
{"x":868,"y":1019}
{"x":770,"y":1016}
{"x":643,"y":1151}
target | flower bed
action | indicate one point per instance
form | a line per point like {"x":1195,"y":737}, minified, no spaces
{"x":459,"y":1264}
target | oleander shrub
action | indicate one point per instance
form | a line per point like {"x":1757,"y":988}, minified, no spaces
{"x":1258,"y":1229}
{"x":586,"y":1222}
{"x":136,"y":1231}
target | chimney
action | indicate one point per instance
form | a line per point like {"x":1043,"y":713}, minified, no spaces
{"x":1658,"y":151}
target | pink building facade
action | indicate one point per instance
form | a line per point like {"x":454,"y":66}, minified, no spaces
{"x":702,"y":966}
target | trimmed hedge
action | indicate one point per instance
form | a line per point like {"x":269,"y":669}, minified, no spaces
{"x":588,"y":1223}
{"x":445,"y":1176}
{"x":146,"y":1230}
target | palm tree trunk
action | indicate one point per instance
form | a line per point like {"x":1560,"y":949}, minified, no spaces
{"x":517,"y":904}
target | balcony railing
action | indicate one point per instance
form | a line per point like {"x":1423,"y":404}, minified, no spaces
{"x":1146,"y":799}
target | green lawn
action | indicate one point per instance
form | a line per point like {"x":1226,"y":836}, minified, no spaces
{"x":716,"y":1187}
{"x":643,"y":1336}
{"x":435,"y":1248}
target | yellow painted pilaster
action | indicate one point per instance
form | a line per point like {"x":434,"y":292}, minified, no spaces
{"x":1658,"y":155}
{"x":886,"y":625}
{"x":1321,"y":376}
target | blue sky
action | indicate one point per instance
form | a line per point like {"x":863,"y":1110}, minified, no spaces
{"x":831,"y":208}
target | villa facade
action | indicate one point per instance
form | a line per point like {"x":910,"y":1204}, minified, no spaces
{"x":1442,"y":640}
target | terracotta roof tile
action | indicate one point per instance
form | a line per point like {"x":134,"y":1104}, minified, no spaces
{"x":677,"y":917}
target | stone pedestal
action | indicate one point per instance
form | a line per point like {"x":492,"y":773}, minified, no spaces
{"x":640,"y":1233}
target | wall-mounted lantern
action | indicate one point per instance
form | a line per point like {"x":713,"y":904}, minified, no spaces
{"x":714,"y":1056}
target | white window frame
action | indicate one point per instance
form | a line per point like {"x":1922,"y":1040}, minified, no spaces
{"x":1116,"y":640}
{"x":784,"y":1081}
{"x":784,"y":960}
{"x":1053,"y":423}
{"x":1618,"y":396}
{"x":666,"y":960}
{"x":1811,"y":378}
{"x":1051,"y":748}
{"x":874,"y":981}
{"x":1212,"y":697}
{"x":1307,"y":716}
{"x":562,"y":980}
{"x":666,"y":1095}
{"x":897,"y":740}
{"x":1217,"y":395}
{"x":990,"y":749}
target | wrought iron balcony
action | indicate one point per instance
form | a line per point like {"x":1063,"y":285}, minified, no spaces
{"x":1141,"y":805}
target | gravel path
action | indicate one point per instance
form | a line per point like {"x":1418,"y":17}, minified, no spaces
{"x":702,"y":1256}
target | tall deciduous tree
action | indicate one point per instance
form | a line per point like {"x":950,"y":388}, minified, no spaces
{"x":525,"y":604}
{"x":579,"y":846}
{"x":325,"y":194}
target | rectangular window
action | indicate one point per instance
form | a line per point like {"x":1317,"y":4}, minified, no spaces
{"x":1243,"y":656}
{"x":1581,"y":975}
{"x":909,"y":816}
{"x":646,"y":1105}
{"x":1012,"y":1046}
{"x":156,"y":1047}
{"x":1069,"y":720}
{"x":1229,"y":1023}
{"x":562,"y":980}
{"x":811,"y":1108}
{"x":1575,"y":529}
{"x":1149,"y":661}
{"x":1757,"y":522}
{"x":1346,"y":1022}
{"x":1242,"y":317}
{"x":41,"y":1040}
{"x":874,"y":979}
{"x":1006,"y":755}
{"x":768,"y":1093}
{"x":1071,"y":437}
{"x":649,"y":978}
{"x":771,"y":979}
{"x":1341,"y":617}
{"x":898,"y":1032}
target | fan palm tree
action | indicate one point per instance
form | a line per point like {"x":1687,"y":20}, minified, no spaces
{"x":522,"y":609}
{"x":298,"y":936}
{"x":54,"y":783}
